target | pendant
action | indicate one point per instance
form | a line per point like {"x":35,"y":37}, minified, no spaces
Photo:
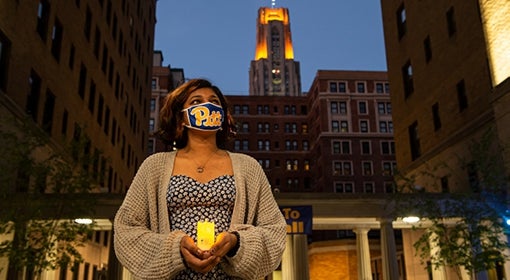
{"x":200,"y":169}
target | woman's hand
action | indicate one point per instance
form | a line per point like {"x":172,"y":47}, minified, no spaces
{"x":196,"y":259}
{"x":224,"y":242}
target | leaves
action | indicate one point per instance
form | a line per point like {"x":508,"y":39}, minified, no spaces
{"x":42,"y":185}
{"x":462,"y":229}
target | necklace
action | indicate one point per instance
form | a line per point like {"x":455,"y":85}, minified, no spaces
{"x":201,"y":167}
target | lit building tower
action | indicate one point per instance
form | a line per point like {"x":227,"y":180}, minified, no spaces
{"x":274,"y":71}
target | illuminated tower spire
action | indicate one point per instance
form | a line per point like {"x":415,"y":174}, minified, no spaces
{"x":274,"y":71}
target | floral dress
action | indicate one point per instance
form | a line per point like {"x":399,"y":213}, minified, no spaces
{"x":190,"y":201}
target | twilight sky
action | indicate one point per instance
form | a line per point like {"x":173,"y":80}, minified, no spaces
{"x":215,"y":39}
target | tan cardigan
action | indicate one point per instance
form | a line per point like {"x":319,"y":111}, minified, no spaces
{"x":145,"y":245}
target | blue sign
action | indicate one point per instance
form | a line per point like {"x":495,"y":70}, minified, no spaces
{"x":298,"y":218}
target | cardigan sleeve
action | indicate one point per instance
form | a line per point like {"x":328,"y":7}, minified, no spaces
{"x":263,"y":228}
{"x":139,"y":244}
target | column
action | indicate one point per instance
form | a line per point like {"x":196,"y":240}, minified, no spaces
{"x":363,"y":254}
{"x":288,"y":259}
{"x":388,"y":250}
{"x":300,"y":254}
{"x":438,"y":273}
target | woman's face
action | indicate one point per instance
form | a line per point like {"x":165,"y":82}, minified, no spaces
{"x":202,"y":95}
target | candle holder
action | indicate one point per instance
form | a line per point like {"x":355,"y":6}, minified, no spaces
{"x":205,"y":235}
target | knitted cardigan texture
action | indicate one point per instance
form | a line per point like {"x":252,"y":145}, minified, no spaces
{"x":145,"y":245}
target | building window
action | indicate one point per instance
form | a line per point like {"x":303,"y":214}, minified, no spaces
{"x":88,"y":24}
{"x":366,"y":148}
{"x":436,"y":117}
{"x":342,"y":87}
{"x":151,"y":146}
{"x":43,"y":16}
{"x":49,"y":106}
{"x":153,"y":104}
{"x":387,"y":87}
{"x":385,"y":126}
{"x":100,"y":108}
{"x":474,"y":181}
{"x":151,"y":124}
{"x":362,"y":107}
{"x":401,"y":21}
{"x":260,"y":145}
{"x":444,"y":185}
{"x":56,"y":39}
{"x":388,"y":147}
{"x":32,"y":103}
{"x":389,"y":187}
{"x":360,"y":86}
{"x":245,"y":110}
{"x":344,"y":187}
{"x":407,"y":78}
{"x":369,"y":187}
{"x":260,"y":110}
{"x":334,"y":108}
{"x":379,"y":87}
{"x":245,"y":127}
{"x":344,"y":126}
{"x":5,"y":49}
{"x":154,"y":84}
{"x":305,"y":145}
{"x":114,"y":131}
{"x":104,"y":62}
{"x":333,"y":87}
{"x":342,"y":107}
{"x":363,"y":126}
{"x":291,"y":165}
{"x":92,"y":96}
{"x":335,"y":126}
{"x":427,"y":48}
{"x":264,"y":163}
{"x":65,"y":119}
{"x":304,"y":128}
{"x":389,"y":168}
{"x":367,"y":168}
{"x":343,"y":168}
{"x":82,"y":81}
{"x":450,"y":20}
{"x":461,"y":96}
{"x":342,"y":147}
{"x":414,"y":141}
{"x":237,"y":109}
{"x":384,"y":108}
{"x":97,"y":42}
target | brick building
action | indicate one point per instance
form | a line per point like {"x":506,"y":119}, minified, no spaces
{"x":449,"y":69}
{"x":82,"y":69}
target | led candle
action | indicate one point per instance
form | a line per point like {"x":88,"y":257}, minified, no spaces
{"x":205,"y":235}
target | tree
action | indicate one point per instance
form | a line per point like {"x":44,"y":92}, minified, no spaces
{"x":43,"y":189}
{"x":466,"y":228}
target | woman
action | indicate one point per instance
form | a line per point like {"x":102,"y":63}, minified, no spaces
{"x":155,"y":227}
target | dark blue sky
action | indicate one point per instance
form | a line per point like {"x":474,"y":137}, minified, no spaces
{"x":215,"y":39}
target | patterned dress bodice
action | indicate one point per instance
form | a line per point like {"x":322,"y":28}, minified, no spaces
{"x":190,"y":201}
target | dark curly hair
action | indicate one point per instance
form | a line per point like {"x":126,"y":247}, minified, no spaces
{"x":171,"y":118}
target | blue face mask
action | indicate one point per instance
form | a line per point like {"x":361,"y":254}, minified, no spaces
{"x":205,"y":116}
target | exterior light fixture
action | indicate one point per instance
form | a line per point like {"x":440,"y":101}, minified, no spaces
{"x":411,"y":219}
{"x":83,"y":221}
